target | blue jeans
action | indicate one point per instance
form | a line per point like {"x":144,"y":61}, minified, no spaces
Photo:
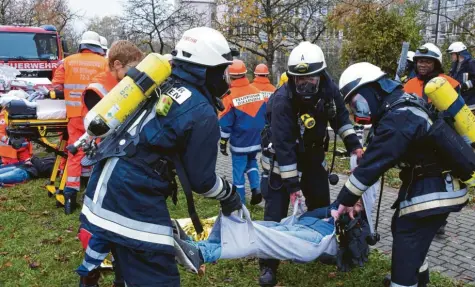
{"x":12,"y":175}
{"x":245,"y":163}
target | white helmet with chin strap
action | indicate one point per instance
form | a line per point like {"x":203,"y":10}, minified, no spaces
{"x":428,"y":50}
{"x":306,"y":62}
{"x":204,"y":46}
{"x":456,"y":47}
{"x":207,"y":47}
{"x":357,"y":75}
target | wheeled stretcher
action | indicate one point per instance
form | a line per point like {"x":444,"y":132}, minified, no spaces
{"x":47,"y":119}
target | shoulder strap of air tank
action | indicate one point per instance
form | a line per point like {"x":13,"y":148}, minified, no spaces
{"x":185,"y":184}
{"x":410,"y":100}
{"x":142,"y":80}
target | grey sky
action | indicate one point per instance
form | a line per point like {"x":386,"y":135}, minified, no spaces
{"x":94,"y":8}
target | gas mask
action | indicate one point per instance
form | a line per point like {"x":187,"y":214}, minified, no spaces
{"x":218,"y":82}
{"x":360,"y":108}
{"x":306,"y":87}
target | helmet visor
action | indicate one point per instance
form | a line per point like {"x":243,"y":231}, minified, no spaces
{"x":360,"y":108}
{"x":307,"y":84}
{"x":227,"y":77}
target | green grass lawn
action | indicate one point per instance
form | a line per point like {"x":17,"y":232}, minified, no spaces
{"x":38,"y":247}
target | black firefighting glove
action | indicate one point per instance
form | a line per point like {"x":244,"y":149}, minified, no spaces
{"x":223,"y":146}
{"x":232,"y":203}
{"x":466,"y":86}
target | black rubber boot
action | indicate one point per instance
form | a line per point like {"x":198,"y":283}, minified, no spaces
{"x":256,"y":196}
{"x":70,"y":202}
{"x":92,"y":280}
{"x":424,"y":278}
{"x":268,"y":277}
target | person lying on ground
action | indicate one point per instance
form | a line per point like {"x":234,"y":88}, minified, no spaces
{"x":33,"y":167}
{"x":312,"y":226}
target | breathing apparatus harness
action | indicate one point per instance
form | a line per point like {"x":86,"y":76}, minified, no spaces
{"x":308,"y":121}
{"x":123,"y":143}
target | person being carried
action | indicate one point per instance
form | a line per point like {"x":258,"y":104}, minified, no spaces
{"x":312,"y":226}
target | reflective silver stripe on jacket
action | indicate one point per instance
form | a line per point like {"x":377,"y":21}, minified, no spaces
{"x":75,"y":86}
{"x":246,"y":149}
{"x":117,"y":223}
{"x":285,"y":171}
{"x":345,"y":131}
{"x":433,"y":200}
{"x":99,"y":88}
{"x":355,"y":186}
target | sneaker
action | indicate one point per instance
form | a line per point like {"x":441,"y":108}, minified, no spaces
{"x":188,"y":254}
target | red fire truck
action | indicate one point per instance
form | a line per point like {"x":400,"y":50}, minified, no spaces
{"x":34,"y":51}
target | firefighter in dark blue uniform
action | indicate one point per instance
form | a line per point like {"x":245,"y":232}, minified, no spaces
{"x":293,"y":140}
{"x":463,"y":70}
{"x":401,"y":136}
{"x":125,"y":203}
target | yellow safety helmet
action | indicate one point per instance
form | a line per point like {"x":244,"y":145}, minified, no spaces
{"x":283,"y":79}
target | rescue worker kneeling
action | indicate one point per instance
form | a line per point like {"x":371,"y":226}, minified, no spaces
{"x":293,"y":140}
{"x":404,"y":134}
{"x":125,"y":203}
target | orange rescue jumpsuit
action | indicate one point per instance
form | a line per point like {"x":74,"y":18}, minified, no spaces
{"x":73,"y":76}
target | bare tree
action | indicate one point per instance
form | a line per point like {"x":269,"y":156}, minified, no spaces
{"x":269,"y":28}
{"x":37,"y":13}
{"x":110,"y":27}
{"x":155,"y":23}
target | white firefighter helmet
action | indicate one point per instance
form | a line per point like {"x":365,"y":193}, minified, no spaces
{"x":410,"y":56}
{"x":428,"y":50}
{"x":91,"y":38}
{"x":358,"y":75}
{"x":104,"y":43}
{"x":306,"y":59}
{"x":456,"y":47}
{"x":204,"y":46}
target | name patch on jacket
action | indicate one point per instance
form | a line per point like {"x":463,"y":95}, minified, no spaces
{"x":266,"y":95}
{"x":247,"y":99}
{"x":179,"y":95}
